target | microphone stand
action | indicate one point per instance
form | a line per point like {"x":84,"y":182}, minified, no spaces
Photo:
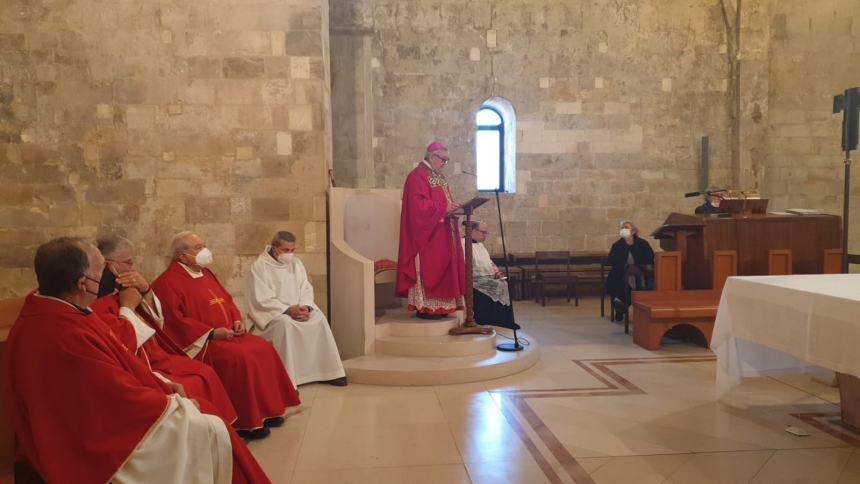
{"x":515,"y":346}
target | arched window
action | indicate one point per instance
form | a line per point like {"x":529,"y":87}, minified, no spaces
{"x":495,"y":146}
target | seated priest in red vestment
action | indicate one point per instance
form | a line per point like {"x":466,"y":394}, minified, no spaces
{"x":201,"y":317}
{"x":84,"y":408}
{"x":430,"y":265}
{"x":140,"y":325}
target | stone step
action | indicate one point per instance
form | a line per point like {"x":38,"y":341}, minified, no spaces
{"x":444,"y":345}
{"x":381,"y":369}
{"x":412,"y":326}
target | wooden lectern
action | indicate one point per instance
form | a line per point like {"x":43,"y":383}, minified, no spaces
{"x":469,"y":326}
{"x":752,"y":236}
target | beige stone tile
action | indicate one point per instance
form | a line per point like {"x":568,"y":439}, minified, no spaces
{"x":819,"y":466}
{"x":338,"y":447}
{"x":453,"y":474}
{"x":591,"y":464}
{"x":490,"y":439}
{"x":374,"y":410}
{"x":653,"y":469}
{"x":474,"y":406}
{"x":278,"y":453}
{"x":512,"y":472}
{"x":720,"y":468}
{"x":851,"y":472}
{"x":355,"y":389}
{"x":539,"y":377}
{"x":457,"y":390}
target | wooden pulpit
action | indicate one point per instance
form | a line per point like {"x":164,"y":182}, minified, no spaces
{"x":469,"y":326}
{"x":752,"y":236}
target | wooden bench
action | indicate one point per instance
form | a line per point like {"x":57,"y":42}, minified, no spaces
{"x":687,"y":313}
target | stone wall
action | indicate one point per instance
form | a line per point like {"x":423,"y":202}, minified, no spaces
{"x":612,"y":98}
{"x":814,"y":54}
{"x":147,"y":117}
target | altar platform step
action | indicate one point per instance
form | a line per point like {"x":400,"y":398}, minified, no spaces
{"x":405,"y":324}
{"x":400,"y":370}
{"x":442,"y":345}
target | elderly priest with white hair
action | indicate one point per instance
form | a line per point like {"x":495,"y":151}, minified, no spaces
{"x":282,"y":310}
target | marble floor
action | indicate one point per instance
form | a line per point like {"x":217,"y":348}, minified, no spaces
{"x":595,"y":409}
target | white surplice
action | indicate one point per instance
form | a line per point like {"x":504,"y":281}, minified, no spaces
{"x":185,"y":446}
{"x":307,"y":348}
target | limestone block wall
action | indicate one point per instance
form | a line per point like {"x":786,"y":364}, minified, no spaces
{"x":612,"y":99}
{"x":814,"y":54}
{"x":147,"y":117}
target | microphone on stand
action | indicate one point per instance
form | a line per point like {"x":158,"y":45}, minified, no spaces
{"x":515,"y":346}
{"x":704,"y":192}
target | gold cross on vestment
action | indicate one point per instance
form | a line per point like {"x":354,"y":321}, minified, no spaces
{"x":220,"y":302}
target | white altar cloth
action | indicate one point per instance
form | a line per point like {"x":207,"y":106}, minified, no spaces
{"x":770,"y":325}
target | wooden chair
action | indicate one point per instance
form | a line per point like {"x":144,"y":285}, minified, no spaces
{"x":544,"y":277}
{"x":832,"y":261}
{"x":779,"y":262}
{"x":638,"y":274}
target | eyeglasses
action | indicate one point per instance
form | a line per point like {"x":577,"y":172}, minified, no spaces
{"x":444,"y":160}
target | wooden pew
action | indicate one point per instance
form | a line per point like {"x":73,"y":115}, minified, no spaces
{"x":9,"y":309}
{"x":689,"y":313}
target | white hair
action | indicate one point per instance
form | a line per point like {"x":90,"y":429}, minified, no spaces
{"x":633,"y":227}
{"x":178,"y":245}
{"x":114,"y":244}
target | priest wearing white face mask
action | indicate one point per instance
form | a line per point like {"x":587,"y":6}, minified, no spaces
{"x":629,"y":250}
{"x":282,"y":311}
{"x":201,"y":317}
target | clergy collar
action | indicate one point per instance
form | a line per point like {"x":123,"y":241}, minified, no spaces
{"x":191,"y":272}
{"x":86,"y":311}
{"x":428,"y":166}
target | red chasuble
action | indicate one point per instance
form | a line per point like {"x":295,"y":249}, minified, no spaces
{"x":80,"y":402}
{"x":249,"y":366}
{"x":164,"y":357}
{"x":425,"y":231}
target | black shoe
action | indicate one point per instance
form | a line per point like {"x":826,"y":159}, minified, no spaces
{"x":338,"y":382}
{"x":255,"y":434}
{"x":429,"y":316}
{"x":274,"y":422}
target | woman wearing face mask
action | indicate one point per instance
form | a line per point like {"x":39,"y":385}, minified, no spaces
{"x":630,"y":249}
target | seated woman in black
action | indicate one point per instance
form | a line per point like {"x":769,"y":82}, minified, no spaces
{"x":626,"y":251}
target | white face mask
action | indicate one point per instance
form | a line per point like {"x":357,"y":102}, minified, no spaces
{"x":626,"y":233}
{"x":204,"y":257}
{"x":285,"y":258}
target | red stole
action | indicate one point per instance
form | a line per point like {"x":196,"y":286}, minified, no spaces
{"x":427,"y":232}
{"x":80,"y":402}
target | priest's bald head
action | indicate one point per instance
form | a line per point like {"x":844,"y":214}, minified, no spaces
{"x":69,"y":268}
